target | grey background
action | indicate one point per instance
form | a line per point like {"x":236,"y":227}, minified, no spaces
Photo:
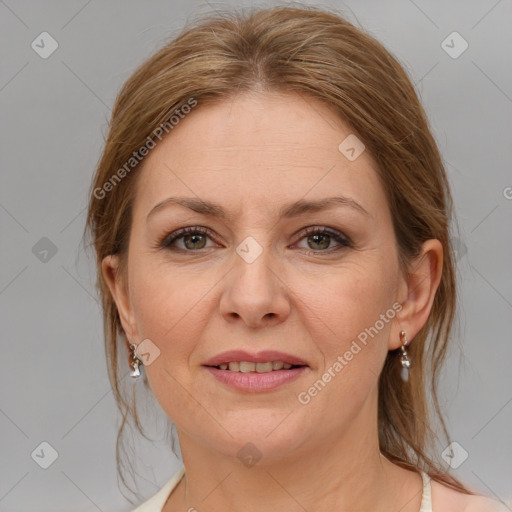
{"x":54,"y":386}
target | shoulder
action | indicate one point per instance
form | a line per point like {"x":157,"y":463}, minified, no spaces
{"x":445,"y":499}
{"x":484,"y":504}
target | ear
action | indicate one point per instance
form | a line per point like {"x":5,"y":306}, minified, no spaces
{"x":118,"y":286}
{"x":417,"y":292}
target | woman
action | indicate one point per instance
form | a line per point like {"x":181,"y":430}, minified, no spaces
{"x":271,"y":222}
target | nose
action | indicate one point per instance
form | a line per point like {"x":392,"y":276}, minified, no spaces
{"x":255,"y":293}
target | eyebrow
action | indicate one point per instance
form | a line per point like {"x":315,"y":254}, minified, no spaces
{"x":288,"y":211}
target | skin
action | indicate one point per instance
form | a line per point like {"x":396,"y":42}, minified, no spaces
{"x":253,"y":154}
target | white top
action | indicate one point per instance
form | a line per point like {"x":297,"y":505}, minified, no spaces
{"x":157,"y":501}
{"x":426,"y":497}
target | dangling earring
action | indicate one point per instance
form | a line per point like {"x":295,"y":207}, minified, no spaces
{"x":135,"y":362}
{"x":404,"y":358}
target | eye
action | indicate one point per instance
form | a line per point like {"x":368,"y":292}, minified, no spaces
{"x":193,"y":238}
{"x":320,"y":239}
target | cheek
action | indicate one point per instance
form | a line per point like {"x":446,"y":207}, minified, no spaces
{"x":345,"y":301}
{"x":348,"y":314}
{"x":168,"y":307}
{"x":165,"y":299}
{"x":172,"y":308}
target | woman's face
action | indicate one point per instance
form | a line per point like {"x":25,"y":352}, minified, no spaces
{"x":255,"y":280}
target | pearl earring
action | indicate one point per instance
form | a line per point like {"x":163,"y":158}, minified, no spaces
{"x":135,"y":362}
{"x":404,"y":358}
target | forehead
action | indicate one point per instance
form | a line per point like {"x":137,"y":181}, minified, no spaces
{"x":257,"y":150}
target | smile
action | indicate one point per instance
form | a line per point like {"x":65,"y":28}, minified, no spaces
{"x":247,"y":366}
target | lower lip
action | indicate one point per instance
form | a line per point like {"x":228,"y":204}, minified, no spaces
{"x":254,"y":381}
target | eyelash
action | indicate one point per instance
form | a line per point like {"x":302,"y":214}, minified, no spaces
{"x":168,"y":240}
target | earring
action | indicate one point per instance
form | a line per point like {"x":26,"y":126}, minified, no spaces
{"x":404,"y":358}
{"x":135,"y":362}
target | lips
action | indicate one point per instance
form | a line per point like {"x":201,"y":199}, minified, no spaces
{"x":255,"y":382}
{"x":260,"y":357}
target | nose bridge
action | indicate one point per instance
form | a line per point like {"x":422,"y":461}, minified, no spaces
{"x":253,"y":291}
{"x":253,"y":265}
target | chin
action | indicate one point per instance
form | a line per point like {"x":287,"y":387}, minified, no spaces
{"x":267,"y":437}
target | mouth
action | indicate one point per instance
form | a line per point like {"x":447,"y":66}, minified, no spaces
{"x":252,"y":367}
{"x":267,"y":373}
{"x":261,"y":362}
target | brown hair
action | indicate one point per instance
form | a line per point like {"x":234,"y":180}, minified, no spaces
{"x":317,"y":53}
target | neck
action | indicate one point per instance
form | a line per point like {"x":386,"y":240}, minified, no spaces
{"x":345,"y":473}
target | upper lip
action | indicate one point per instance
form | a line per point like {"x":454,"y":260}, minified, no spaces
{"x":260,"y":357}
